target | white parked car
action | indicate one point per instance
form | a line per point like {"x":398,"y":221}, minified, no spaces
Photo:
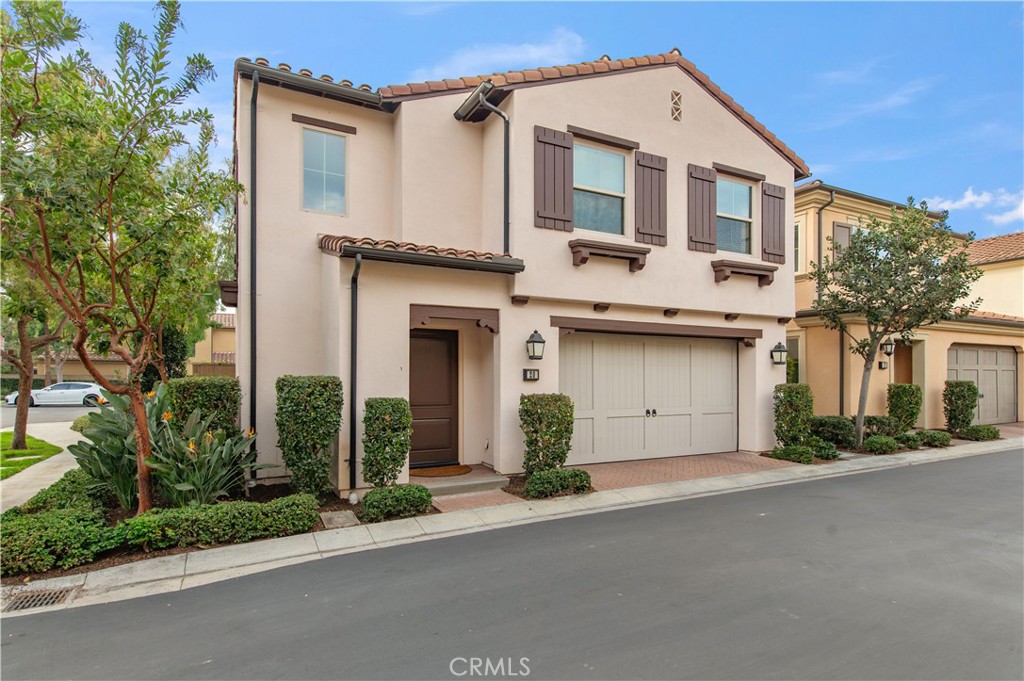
{"x":67,"y":392}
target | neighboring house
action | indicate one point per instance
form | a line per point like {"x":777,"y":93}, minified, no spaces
{"x":985,"y":347}
{"x":641,"y":230}
{"x":215,"y":353}
{"x":72,"y":369}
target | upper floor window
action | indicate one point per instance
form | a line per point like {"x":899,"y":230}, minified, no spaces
{"x":798,"y":263}
{"x":323,"y":172}
{"x":599,"y":189}
{"x":733,"y":215}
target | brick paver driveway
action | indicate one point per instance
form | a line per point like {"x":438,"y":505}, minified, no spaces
{"x":606,"y":476}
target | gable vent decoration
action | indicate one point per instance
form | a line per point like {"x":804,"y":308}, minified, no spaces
{"x":677,"y":105}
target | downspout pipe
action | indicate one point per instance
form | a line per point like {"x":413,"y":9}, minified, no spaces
{"x":504,"y":117}
{"x":252,"y":255}
{"x":353,"y":375}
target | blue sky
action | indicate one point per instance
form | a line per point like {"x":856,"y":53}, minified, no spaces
{"x":892,"y":100}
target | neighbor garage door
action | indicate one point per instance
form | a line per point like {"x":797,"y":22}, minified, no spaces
{"x":994,"y":370}
{"x":639,"y":397}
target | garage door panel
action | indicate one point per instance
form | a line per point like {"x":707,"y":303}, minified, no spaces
{"x":719,"y":431}
{"x":576,"y":374}
{"x":668,"y":435}
{"x":622,"y":435}
{"x":717,"y":375}
{"x":994,"y":370}
{"x":619,"y":376}
{"x":669,"y":379}
{"x":582,"y":441}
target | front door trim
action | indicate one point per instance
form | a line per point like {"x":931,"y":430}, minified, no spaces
{"x":485,"y":317}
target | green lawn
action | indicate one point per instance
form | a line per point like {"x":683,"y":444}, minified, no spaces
{"x":16,"y":460}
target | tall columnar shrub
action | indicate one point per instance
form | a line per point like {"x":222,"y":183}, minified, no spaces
{"x":308,"y":419}
{"x":547,"y":423}
{"x":217,"y":397}
{"x":387,"y":438}
{"x":794,"y":408}
{"x":904,"y":403}
{"x":959,"y":400}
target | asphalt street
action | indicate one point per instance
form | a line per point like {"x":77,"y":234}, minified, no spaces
{"x":43,"y":414}
{"x":908,"y":573}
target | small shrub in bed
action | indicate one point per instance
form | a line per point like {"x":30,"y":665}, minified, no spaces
{"x":557,"y":481}
{"x":979,"y":433}
{"x":934,"y":438}
{"x":795,"y":453}
{"x":395,"y":501}
{"x":881,"y":444}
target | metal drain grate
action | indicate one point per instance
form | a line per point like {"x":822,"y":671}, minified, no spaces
{"x":37,"y":599}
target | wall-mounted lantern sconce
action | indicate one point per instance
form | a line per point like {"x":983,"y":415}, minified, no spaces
{"x":888,"y":347}
{"x":779,"y":353}
{"x":535,"y":346}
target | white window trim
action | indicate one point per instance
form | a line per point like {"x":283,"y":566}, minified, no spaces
{"x":302,"y":170}
{"x":627,"y":184}
{"x":800,"y":245}
{"x":754,"y":245}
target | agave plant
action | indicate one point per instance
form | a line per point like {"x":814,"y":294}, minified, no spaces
{"x":195,"y":464}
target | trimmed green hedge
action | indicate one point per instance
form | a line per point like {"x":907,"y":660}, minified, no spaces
{"x":557,"y":481}
{"x":959,"y":400}
{"x":979,"y":432}
{"x":909,"y":440}
{"x":395,"y":501}
{"x":231,"y":522}
{"x":75,"y":490}
{"x":881,"y":425}
{"x":839,"y":430}
{"x":794,"y":408}
{"x":547,"y":423}
{"x":10,"y":385}
{"x":903,"y":402}
{"x":795,"y":453}
{"x":935,"y":438}
{"x":308,"y":419}
{"x":881,"y":444}
{"x":387,"y":439}
{"x":216,"y":396}
{"x":59,"y":538}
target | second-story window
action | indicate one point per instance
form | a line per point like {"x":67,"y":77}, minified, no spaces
{"x":733,"y":215}
{"x":323,"y":172}
{"x":599,"y":189}
{"x":798,"y":263}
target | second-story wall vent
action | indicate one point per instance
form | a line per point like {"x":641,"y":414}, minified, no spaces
{"x":677,"y":106}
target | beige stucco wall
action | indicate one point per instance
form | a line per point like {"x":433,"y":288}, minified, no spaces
{"x":215,"y":339}
{"x":1001,"y":288}
{"x":423,"y":177}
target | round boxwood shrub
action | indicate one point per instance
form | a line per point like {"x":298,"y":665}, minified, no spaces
{"x":823,"y":449}
{"x":795,"y":453}
{"x":308,"y":419}
{"x":557,"y":481}
{"x":959,"y":400}
{"x":395,"y":501}
{"x":904,"y":403}
{"x":881,"y":425}
{"x":909,"y":440}
{"x":979,"y":433}
{"x":80,"y":424}
{"x":547,"y":422}
{"x":838,"y":430}
{"x":387,"y":438}
{"x":881,"y":444}
{"x":934,"y":438}
{"x":794,"y":408}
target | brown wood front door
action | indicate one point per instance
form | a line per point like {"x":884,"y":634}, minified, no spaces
{"x":434,"y":397}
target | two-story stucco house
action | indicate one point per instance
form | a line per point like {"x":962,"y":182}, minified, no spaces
{"x":413,"y":239}
{"x":986,"y":347}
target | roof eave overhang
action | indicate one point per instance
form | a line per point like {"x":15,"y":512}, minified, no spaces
{"x":984,"y":321}
{"x":498,"y":265}
{"x":312,"y":86}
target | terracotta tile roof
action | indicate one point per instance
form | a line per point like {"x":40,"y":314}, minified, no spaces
{"x":224,"y":319}
{"x":983,"y":314}
{"x":334,"y":244}
{"x":511,"y":79}
{"x":997,"y":249}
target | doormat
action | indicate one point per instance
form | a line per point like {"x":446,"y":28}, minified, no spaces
{"x":440,"y":471}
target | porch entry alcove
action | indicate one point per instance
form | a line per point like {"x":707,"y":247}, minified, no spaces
{"x":439,"y":365}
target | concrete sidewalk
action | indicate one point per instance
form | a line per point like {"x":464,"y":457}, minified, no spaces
{"x":182,"y":571}
{"x":23,"y":485}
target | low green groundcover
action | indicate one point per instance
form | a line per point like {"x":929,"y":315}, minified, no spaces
{"x":65,"y":525}
{"x":16,"y":460}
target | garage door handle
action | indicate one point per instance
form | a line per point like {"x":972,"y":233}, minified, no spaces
{"x":654,"y":412}
{"x":648,"y":412}
{"x":981,"y":397}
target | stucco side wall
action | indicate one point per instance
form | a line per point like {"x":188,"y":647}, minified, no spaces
{"x":637,"y":107}
{"x":1001,"y":288}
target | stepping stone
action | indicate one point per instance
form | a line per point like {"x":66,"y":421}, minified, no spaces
{"x":337,"y":519}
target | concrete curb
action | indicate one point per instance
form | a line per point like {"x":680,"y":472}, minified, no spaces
{"x":186,"y":570}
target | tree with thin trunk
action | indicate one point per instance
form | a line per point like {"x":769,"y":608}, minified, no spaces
{"x":108,"y":191}
{"x":894,"y":277}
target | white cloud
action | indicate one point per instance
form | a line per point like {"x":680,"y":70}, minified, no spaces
{"x":896,"y":99}
{"x":971,"y":200}
{"x":562,"y":46}
{"x":854,"y":74}
{"x":1015,"y":214}
{"x":968,"y":200}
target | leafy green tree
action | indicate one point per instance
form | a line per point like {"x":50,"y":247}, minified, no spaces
{"x":894,"y":277}
{"x":108,"y":193}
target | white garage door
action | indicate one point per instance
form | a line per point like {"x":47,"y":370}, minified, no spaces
{"x":994,"y":370}
{"x":640,"y":397}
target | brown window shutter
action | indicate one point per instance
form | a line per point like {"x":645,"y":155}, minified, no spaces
{"x":552,"y":193}
{"x":651,"y":199}
{"x":773,"y":223}
{"x":701,"y":207}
